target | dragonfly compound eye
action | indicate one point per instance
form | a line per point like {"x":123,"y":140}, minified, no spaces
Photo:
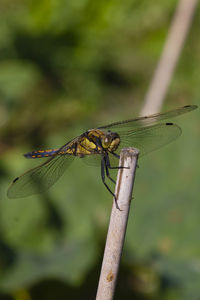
{"x":110,"y":141}
{"x":106,"y":141}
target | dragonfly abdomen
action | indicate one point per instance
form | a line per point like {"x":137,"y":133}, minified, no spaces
{"x":41,"y":153}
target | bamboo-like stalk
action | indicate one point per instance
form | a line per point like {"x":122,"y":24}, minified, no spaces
{"x":117,"y":225}
{"x":169,"y":58}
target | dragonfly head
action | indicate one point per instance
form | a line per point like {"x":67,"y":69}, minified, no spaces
{"x":110,"y":141}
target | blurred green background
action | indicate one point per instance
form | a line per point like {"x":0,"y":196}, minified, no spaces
{"x":66,"y":66}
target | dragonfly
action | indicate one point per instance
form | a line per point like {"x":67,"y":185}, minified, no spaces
{"x":100,"y":145}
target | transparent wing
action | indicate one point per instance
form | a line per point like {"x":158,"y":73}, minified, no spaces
{"x":95,"y":160}
{"x":148,"y":120}
{"x":150,"y":138}
{"x":92,"y":160}
{"x":146,"y":139}
{"x":41,"y":178}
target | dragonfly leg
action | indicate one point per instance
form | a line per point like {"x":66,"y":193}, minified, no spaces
{"x":119,"y":167}
{"x":116,"y":155}
{"x":103,"y":165}
{"x":107,"y":165}
{"x":108,"y":162}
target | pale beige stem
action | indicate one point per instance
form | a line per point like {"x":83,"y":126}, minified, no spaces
{"x":117,"y":225}
{"x":169,"y":58}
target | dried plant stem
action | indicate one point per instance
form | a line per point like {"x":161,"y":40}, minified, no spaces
{"x":117,"y":225}
{"x":169,"y":58}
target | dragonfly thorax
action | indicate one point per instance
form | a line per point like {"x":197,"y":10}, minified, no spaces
{"x":110,"y":141}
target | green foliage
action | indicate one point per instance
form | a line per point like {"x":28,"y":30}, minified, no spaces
{"x":66,"y":66}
